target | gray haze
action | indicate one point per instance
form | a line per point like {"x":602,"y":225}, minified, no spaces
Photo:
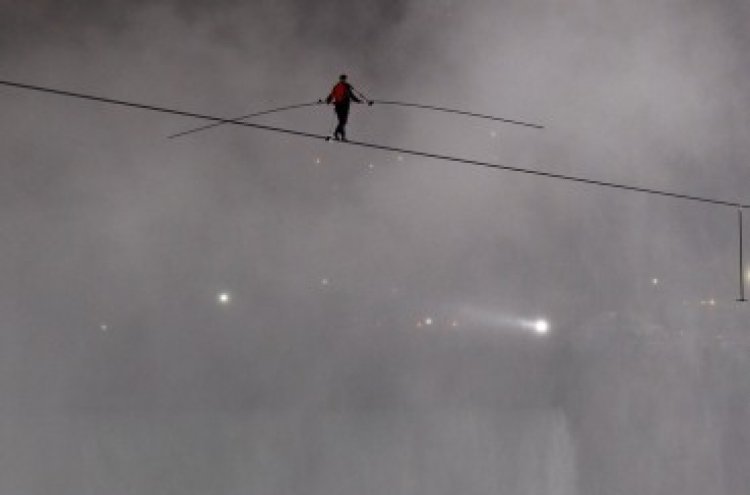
{"x":121,"y":372}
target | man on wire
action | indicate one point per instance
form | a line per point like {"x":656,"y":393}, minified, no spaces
{"x":341,"y":96}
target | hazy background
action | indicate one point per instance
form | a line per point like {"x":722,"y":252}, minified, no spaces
{"x":374,"y":341}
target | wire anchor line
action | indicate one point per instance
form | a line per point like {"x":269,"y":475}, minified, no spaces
{"x":405,"y":151}
{"x":742,"y":263}
{"x":238,"y":119}
{"x":459,"y":112}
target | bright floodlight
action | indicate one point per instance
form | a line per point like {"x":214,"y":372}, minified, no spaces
{"x":224,"y":298}
{"x":541,"y":327}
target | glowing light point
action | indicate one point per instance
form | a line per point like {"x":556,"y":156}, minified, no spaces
{"x":428,"y":321}
{"x":224,"y":298}
{"x":493,"y":134}
{"x":104,"y":328}
{"x":317,"y":160}
{"x":655,"y":281}
{"x":400,"y":158}
{"x":541,"y":327}
{"x":325,"y":281}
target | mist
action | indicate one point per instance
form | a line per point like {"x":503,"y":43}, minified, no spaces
{"x":376,"y":332}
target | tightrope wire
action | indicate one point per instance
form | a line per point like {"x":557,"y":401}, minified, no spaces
{"x":405,"y":151}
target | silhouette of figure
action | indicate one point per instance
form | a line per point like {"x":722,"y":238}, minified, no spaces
{"x":341,"y":96}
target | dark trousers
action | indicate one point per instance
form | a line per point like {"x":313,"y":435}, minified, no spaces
{"x":342,"y":112}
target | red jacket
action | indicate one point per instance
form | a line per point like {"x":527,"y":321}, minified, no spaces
{"x":342,"y":93}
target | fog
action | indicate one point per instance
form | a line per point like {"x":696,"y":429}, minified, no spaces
{"x":378,"y":329}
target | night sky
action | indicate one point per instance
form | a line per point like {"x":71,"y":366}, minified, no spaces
{"x":241,"y":311}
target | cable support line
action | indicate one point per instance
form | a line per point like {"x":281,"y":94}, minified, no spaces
{"x":238,"y":119}
{"x":460,"y":112}
{"x":742,"y":263}
{"x":405,"y":151}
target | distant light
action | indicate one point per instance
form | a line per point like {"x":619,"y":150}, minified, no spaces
{"x":428,"y":321}
{"x":541,"y":327}
{"x":317,"y":160}
{"x":655,"y":281}
{"x":400,"y":158}
{"x":712,"y":302}
{"x":104,"y":328}
{"x":493,"y":133}
{"x":325,"y":281}
{"x":224,"y":298}
{"x":454,"y":324}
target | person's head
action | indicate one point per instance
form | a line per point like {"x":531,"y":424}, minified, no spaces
{"x":342,"y":77}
